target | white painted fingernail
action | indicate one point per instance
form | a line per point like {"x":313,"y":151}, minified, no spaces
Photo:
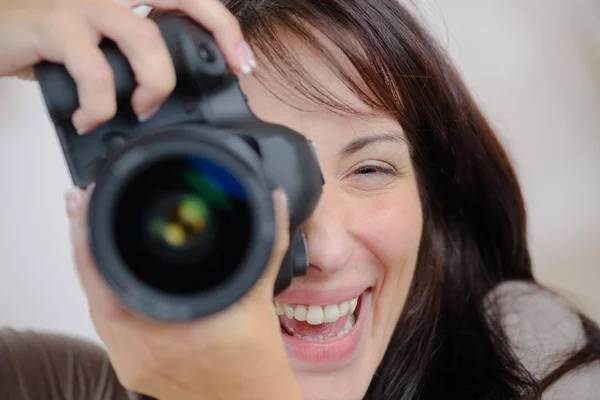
{"x":73,"y":200}
{"x":246,"y":69}
{"x":146,"y":116}
{"x":246,"y":58}
{"x":79,"y":123}
{"x":284,"y":199}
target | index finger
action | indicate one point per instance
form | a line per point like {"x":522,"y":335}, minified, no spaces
{"x":219,"y":21}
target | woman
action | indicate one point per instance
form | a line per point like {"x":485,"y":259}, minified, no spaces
{"x":420,"y":283}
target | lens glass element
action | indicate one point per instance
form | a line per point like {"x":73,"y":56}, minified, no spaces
{"x":183,"y":224}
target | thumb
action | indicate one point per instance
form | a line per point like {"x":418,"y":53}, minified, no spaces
{"x":101,"y":301}
{"x":281,"y":242}
{"x":26,"y":74}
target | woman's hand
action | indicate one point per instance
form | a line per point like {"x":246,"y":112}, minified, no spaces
{"x":69,"y":31}
{"x":234,"y":354}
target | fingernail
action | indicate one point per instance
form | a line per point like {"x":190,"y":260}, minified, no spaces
{"x":246,"y":58}
{"x":78,"y":121}
{"x":147,"y":115}
{"x":144,"y":103}
{"x":73,"y":199}
{"x":283,"y":200}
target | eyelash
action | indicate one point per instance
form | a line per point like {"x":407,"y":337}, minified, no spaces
{"x":376,"y":169}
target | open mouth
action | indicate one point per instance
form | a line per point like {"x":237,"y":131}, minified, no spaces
{"x":320,"y":323}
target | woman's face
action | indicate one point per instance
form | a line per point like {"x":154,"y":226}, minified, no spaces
{"x":363,"y":239}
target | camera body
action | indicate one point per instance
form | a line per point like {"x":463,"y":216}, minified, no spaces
{"x":181,"y":221}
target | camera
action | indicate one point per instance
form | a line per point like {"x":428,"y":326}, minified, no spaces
{"x":181,"y":220}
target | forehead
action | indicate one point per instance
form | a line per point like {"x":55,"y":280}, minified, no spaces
{"x":294,"y":92}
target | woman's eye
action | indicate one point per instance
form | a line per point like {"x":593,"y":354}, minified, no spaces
{"x":373,"y":176}
{"x":374,"y":169}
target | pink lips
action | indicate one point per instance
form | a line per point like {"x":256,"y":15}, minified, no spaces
{"x":333,"y":351}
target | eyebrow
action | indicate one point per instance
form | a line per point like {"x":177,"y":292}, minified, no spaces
{"x":362,"y":142}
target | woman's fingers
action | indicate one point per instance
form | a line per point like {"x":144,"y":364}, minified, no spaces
{"x":69,"y":33}
{"x":218,"y":20}
{"x":70,"y":40}
{"x":141,"y":42}
{"x":73,"y":40}
{"x":282,"y":240}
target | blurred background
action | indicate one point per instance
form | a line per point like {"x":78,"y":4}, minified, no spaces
{"x":534,"y":67}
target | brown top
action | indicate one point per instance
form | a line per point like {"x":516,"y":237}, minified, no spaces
{"x":40,"y":366}
{"x":45,"y":366}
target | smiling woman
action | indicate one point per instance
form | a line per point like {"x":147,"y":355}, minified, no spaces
{"x":419,"y":239}
{"x":419,"y":225}
{"x":364,"y":236}
{"x":420,"y":283}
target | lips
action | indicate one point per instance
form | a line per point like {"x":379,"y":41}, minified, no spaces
{"x":316,"y":333}
{"x":324,"y":344}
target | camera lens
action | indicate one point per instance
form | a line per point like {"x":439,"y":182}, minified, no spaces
{"x":183,"y":224}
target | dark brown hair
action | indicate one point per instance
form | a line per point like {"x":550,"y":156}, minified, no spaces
{"x":447,"y":344}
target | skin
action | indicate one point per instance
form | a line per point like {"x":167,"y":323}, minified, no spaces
{"x":164,"y":361}
{"x":68,"y":32}
{"x":366,"y":228}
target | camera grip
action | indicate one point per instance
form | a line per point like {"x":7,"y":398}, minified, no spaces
{"x":200,"y":68}
{"x":197,"y":60}
{"x":59,"y":88}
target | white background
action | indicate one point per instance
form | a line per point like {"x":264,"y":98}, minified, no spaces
{"x":533,"y":66}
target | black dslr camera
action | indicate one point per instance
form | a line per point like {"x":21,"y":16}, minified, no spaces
{"x":181,"y":221}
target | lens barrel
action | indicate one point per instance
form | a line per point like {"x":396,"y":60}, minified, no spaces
{"x":181,"y":224}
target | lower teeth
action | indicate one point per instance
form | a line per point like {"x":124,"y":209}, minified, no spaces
{"x":350,"y":321}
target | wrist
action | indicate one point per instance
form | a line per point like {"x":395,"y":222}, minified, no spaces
{"x":266,"y":377}
{"x":276,"y":388}
{"x":262,"y":374}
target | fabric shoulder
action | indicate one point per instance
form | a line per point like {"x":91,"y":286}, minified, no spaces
{"x":44,"y":365}
{"x":543,"y":332}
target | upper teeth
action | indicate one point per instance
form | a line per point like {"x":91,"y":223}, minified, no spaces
{"x":316,"y":315}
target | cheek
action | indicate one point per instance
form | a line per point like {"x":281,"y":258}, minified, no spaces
{"x":391,"y":230}
{"x":391,"y":233}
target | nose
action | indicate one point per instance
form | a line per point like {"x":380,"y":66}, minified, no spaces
{"x":330,"y":245}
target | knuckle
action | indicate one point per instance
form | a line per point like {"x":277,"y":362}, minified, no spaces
{"x":100,"y":80}
{"x":57,"y":13}
{"x":161,"y":86}
{"x":100,"y":77}
{"x":147,"y":32}
{"x":54,"y":20}
{"x":225,"y":21}
{"x":186,"y":5}
{"x":158,"y":78}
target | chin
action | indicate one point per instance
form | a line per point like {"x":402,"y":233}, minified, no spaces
{"x":350,"y":383}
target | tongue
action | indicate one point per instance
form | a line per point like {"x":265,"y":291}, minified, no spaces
{"x":324,"y":331}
